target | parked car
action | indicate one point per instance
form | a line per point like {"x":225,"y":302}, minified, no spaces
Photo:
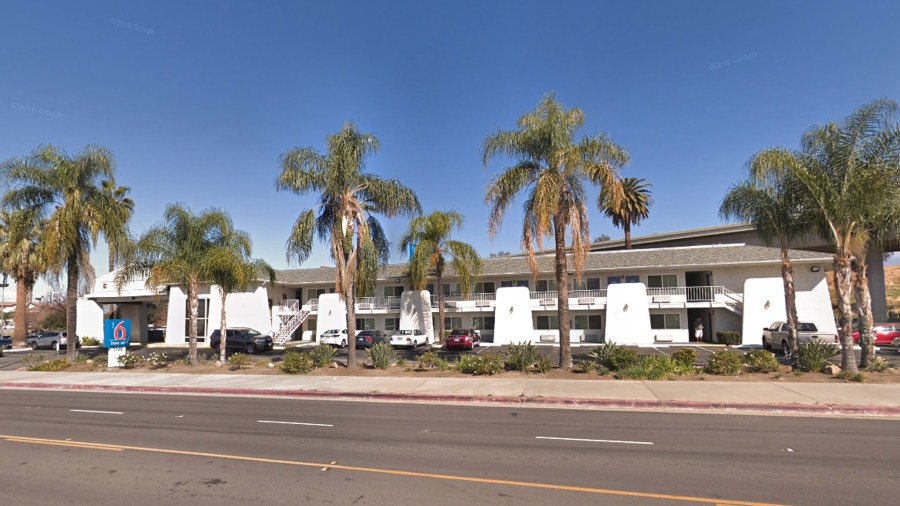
{"x":885,"y":333}
{"x":367,"y":338}
{"x":5,"y":342}
{"x":411,"y":338}
{"x":776,"y":336}
{"x":334,"y":337}
{"x":53,"y":340}
{"x":466,"y":339}
{"x":242,"y":339}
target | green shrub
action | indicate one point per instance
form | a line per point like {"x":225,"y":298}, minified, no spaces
{"x":32,"y":359}
{"x":323,"y":355}
{"x":99,"y":363}
{"x":724,"y":363}
{"x":602,"y":370}
{"x":879,"y":364}
{"x":683,"y":369}
{"x":157,"y":360}
{"x":663,"y":363}
{"x":760,"y":361}
{"x":686,"y":356}
{"x":401,"y":362}
{"x":431,"y":360}
{"x":52,"y":365}
{"x":849,"y":376}
{"x":544,"y":365}
{"x":622,"y":359}
{"x":730,"y":337}
{"x":131,"y":360}
{"x":813,"y":356}
{"x":297,"y":363}
{"x":81,"y":358}
{"x":650,"y":367}
{"x":381,"y":355}
{"x":90,"y":341}
{"x":239,"y":361}
{"x":586,"y":366}
{"x":488,"y":364}
{"x":521,"y":356}
{"x":600,"y":355}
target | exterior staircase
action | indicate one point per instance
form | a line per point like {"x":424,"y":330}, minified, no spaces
{"x":291,"y":316}
{"x":734,"y":301}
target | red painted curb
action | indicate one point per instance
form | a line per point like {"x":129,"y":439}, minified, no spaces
{"x":812,"y":409}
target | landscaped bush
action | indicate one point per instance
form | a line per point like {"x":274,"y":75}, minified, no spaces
{"x":813,"y":356}
{"x":131,"y":361}
{"x":381,"y":355}
{"x":99,"y":363}
{"x":239,"y":361}
{"x":297,"y":363}
{"x":323,"y":355}
{"x":724,"y":363}
{"x":879,"y":364}
{"x":488,"y":364}
{"x":431,"y":360}
{"x":90,"y":341}
{"x":81,"y":358}
{"x":544,"y":365}
{"x":51,"y":365}
{"x":730,"y":337}
{"x":849,"y":376}
{"x":32,"y":359}
{"x":649,"y":367}
{"x":685,"y":356}
{"x":521,"y":356}
{"x":760,"y":361}
{"x":622,"y":359}
{"x":586,"y":366}
{"x":156,"y":360}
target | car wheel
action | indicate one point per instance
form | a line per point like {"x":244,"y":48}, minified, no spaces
{"x":54,"y":345}
{"x":250,"y":348}
{"x":344,"y":343}
{"x":766,"y":345}
{"x":34,"y":345}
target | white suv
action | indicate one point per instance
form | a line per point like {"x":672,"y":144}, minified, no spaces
{"x":334,"y":337}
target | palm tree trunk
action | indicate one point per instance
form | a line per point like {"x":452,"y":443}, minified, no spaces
{"x":790,"y":298}
{"x":562,"y":287}
{"x":223,"y":333}
{"x":864,"y":312}
{"x":440,"y":286}
{"x":193,"y":288}
{"x":71,"y":307}
{"x":20,"y":318}
{"x":350,"y":300}
{"x":627,"y":228}
{"x":842,"y":281}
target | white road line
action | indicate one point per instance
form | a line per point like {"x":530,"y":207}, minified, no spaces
{"x":596,"y":440}
{"x":92,"y":411}
{"x":297,"y":423}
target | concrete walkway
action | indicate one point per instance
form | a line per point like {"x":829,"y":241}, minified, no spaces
{"x":715,"y":396}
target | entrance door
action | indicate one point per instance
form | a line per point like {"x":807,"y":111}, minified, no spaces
{"x":699,"y":286}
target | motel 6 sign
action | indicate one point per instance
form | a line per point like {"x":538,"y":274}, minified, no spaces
{"x":116,"y":333}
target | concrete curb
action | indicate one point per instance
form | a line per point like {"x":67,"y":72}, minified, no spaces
{"x":649,"y":405}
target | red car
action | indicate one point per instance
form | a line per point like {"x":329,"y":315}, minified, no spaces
{"x":464,"y":339}
{"x":884,"y":333}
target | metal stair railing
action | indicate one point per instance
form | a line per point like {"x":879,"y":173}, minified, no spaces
{"x":291,"y":319}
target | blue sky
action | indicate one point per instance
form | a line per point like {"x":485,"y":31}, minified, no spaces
{"x":197,"y":100}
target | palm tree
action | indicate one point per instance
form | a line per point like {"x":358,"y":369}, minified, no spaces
{"x":118,"y":243}
{"x":22,"y":258}
{"x":232,"y":269}
{"x":551,"y":167}
{"x":632,"y":208}
{"x":844,"y":172}
{"x":775,"y":207}
{"x":183,"y":251}
{"x":434,"y":249}
{"x":67,"y":192}
{"x":344,"y":218}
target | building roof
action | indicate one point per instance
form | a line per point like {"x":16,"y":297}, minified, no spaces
{"x":704,"y":233}
{"x":649,"y":258}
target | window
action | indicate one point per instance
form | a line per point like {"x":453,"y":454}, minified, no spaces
{"x":520,"y":282}
{"x":452,"y":322}
{"x":612,"y":280}
{"x":546,"y":285}
{"x":202,"y":318}
{"x":587,"y":322}
{"x":483,"y":322}
{"x":315,"y":292}
{"x":549,"y":322}
{"x":365,"y":324}
{"x":310,"y":325}
{"x":662,"y":281}
{"x":451,"y":290}
{"x":393,"y":291}
{"x":587,"y":284}
{"x":666,"y":321}
{"x":486,"y":287}
{"x":392,"y":324}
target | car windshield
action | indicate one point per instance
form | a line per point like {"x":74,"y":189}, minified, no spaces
{"x":806,"y":327}
{"x":252,"y":333}
{"x":459,"y":331}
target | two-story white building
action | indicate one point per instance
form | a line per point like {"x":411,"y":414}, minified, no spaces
{"x":641,"y":296}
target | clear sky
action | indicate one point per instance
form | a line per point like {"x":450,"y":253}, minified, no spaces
{"x":197,"y":99}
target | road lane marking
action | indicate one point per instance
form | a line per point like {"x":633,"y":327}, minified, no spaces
{"x":94,"y":411}
{"x":63,"y":443}
{"x":595,"y":440}
{"x":297,"y":423}
{"x":394,"y":472}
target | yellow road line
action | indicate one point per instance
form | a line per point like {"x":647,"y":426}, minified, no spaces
{"x":412,"y":474}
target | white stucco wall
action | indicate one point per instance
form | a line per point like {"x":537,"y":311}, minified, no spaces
{"x":512,"y":316}
{"x":332,"y":313}
{"x":764,"y":304}
{"x":628,"y":318}
{"x":90,"y":319}
{"x":175,"y":316}
{"x":415,"y":312}
{"x":242,"y":309}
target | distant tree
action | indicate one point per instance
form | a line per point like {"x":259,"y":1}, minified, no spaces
{"x":21,"y":256}
{"x":500,"y":253}
{"x":628,"y":208}
{"x":434,"y":250}
{"x":601,"y":238}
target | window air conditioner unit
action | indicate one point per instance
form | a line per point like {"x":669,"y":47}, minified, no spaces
{"x":584,"y":301}
{"x":662,"y":298}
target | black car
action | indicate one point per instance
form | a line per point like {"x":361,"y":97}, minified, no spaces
{"x":242,"y":339}
{"x":5,"y":342}
{"x":366,"y":338}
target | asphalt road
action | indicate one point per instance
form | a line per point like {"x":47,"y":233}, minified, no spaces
{"x":228,"y":450}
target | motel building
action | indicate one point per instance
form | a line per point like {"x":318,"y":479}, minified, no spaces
{"x":647,"y":296}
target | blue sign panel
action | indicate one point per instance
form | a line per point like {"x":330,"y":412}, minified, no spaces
{"x":116,"y":333}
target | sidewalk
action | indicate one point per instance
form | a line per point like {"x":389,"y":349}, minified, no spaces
{"x":668,"y":396}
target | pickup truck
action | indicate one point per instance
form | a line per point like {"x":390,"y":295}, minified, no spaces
{"x":776,"y":336}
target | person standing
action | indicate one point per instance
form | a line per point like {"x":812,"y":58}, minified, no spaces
{"x":698,"y":329}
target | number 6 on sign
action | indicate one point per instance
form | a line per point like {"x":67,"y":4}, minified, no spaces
{"x":116,"y":333}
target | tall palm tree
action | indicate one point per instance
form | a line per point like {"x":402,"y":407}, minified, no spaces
{"x":775,"y":207}
{"x":232,"y":269}
{"x":118,"y":242}
{"x":181,"y":251}
{"x":551,"y":167}
{"x":344,"y":218}
{"x":21,"y":256}
{"x":632,"y":208}
{"x":67,"y":192}
{"x":434,"y":250}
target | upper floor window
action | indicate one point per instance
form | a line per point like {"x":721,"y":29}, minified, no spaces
{"x":662,"y":281}
{"x":393,"y":291}
{"x":612,"y":280}
{"x":485,"y":287}
{"x":451,"y":290}
{"x":546,"y":285}
{"x":587,"y":284}
{"x":518,"y":282}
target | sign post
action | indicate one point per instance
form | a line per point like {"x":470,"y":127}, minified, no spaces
{"x":116,"y":338}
